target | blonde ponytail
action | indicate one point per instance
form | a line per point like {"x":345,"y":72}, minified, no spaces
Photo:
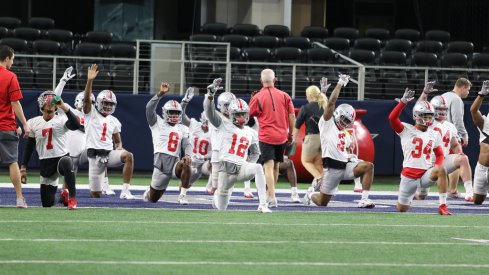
{"x":316,"y":95}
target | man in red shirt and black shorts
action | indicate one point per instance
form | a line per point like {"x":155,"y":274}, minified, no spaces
{"x":276,"y":118}
{"x":10,"y":107}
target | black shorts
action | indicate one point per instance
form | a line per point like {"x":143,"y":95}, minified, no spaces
{"x":271,"y":152}
{"x":49,"y":167}
{"x":9,"y":147}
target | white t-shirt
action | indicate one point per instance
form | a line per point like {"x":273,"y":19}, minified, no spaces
{"x":167,"y":139}
{"x":201,"y":142}
{"x":50,"y":136}
{"x":234,"y":142}
{"x":99,"y":130}
{"x":417,"y":146}
{"x":334,"y":142}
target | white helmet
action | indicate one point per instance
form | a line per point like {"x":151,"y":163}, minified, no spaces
{"x":223,"y":102}
{"x":172,"y":112}
{"x":106,"y":102}
{"x":238,"y":107}
{"x":79,"y":99}
{"x":44,"y":98}
{"x":422,"y":108}
{"x":440,"y":106}
{"x":344,"y":115}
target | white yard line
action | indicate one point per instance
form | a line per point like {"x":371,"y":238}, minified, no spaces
{"x":251,"y":263}
{"x":247,"y":242}
{"x":251,"y":223}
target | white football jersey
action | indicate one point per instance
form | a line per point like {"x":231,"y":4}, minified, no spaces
{"x":201,"y":142}
{"x":417,"y":146}
{"x":50,"y":136}
{"x":485,"y":128}
{"x":167,"y":139}
{"x":234,"y":142}
{"x":76,"y":140}
{"x":446,"y":130}
{"x":215,"y":136}
{"x":334,"y":142}
{"x":99,"y":130}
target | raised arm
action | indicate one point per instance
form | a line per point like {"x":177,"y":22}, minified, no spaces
{"x":151,"y":116}
{"x":328,"y":111}
{"x":72,"y":123}
{"x":209,"y":110}
{"x":474,"y":108}
{"x":189,"y":94}
{"x":87,"y":101}
{"x":62,"y":82}
{"x":394,"y":115}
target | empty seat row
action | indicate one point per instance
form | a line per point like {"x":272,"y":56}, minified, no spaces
{"x":42,"y":23}
{"x":265,"y":41}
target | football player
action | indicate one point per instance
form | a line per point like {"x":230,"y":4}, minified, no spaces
{"x":103,"y":133}
{"x":235,"y":140}
{"x":419,"y":142}
{"x":481,"y":181}
{"x":48,"y":136}
{"x":452,"y":150}
{"x":169,"y":137}
{"x":335,"y":153}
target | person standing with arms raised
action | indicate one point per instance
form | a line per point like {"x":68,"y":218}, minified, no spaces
{"x":10,"y":108}
{"x":275,"y":113}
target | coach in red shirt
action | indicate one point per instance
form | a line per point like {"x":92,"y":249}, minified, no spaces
{"x":10,"y":107}
{"x":276,"y":118}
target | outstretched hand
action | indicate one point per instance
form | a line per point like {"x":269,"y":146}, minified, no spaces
{"x":485,"y":88}
{"x":67,"y":74}
{"x":428,"y":87}
{"x":189,"y":94}
{"x":408,"y":96}
{"x":214,"y":87}
{"x":164,"y":88}
{"x":92,"y":72}
{"x":344,"y":79}
{"x":324,"y":84}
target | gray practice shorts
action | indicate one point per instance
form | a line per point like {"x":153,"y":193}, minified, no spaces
{"x":481,"y":179}
{"x":9,"y":147}
{"x":332,"y":178}
{"x":408,"y":187}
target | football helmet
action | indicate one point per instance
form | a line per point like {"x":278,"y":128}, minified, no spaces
{"x":79,"y":99}
{"x":204,"y":121}
{"x":172,"y":112}
{"x":106,"y":102}
{"x":344,"y":115}
{"x":44,"y":98}
{"x":421,"y":112}
{"x":440,"y":106}
{"x":239,"y":112}
{"x":223,"y":102}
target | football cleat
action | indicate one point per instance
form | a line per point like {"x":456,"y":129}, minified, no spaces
{"x":469,"y":198}
{"x":20,"y":203}
{"x":108,"y":192}
{"x":72,"y":204}
{"x":126,"y":195}
{"x":248,"y":194}
{"x":366,"y":203}
{"x":63,"y":197}
{"x":182,"y":200}
{"x":263,"y":208}
{"x":272,"y":202}
{"x":294,"y":196}
{"x":307,"y":196}
{"x":443,"y":210}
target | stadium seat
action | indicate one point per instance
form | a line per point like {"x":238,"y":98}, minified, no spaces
{"x":315,"y":33}
{"x":122,"y":71}
{"x":464,"y":47}
{"x":320,"y":56}
{"x":256,"y":55}
{"x":3,"y":32}
{"x":438,"y":35}
{"x":266,"y":41}
{"x":199,"y":51}
{"x":64,"y":37}
{"x":91,"y":50}
{"x":392,"y":58}
{"x":429,"y":46}
{"x":422,"y":59}
{"x":249,"y":30}
{"x":218,"y":29}
{"x":284,"y":73}
{"x":349,"y":33}
{"x":408,"y":34}
{"x":43,"y":67}
{"x":362,"y":56}
{"x":371,"y":44}
{"x":378,"y":33}
{"x":279,"y":31}
{"x":302,"y":43}
{"x":99,"y":37}
{"x":10,"y":22}
{"x":480,"y":61}
{"x":454,"y":60}
{"x":29,"y":34}
{"x":42,"y":23}
{"x":341,"y":45}
{"x":399,"y":45}
{"x":23,"y":65}
{"x":236,"y":40}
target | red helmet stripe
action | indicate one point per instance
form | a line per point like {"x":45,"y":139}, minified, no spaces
{"x":443,"y":100}
{"x":174,"y":104}
{"x":110,"y":94}
{"x":428,"y":105}
{"x":240,"y":104}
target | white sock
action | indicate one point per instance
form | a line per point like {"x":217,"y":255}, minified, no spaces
{"x":468,"y":188}
{"x":293,"y":189}
{"x":125,"y":186}
{"x":247,"y":184}
{"x":365,"y":194}
{"x":261,"y":187}
{"x":183,"y":191}
{"x":358,"y":182}
{"x":222,"y":202}
{"x":443,"y":198}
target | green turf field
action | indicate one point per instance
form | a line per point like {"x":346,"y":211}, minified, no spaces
{"x":138,"y":241}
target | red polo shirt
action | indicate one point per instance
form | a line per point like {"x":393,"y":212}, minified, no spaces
{"x":9,"y":91}
{"x":272,"y":107}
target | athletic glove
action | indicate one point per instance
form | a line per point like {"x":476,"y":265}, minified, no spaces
{"x":408,"y":96}
{"x":324,"y":84}
{"x":214,"y":87}
{"x":344,"y":79}
{"x":485,"y":88}
{"x":428,"y":87}
{"x":67,"y":74}
{"x":189,"y":94}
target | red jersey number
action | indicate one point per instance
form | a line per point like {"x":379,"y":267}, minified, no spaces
{"x":242,"y":146}
{"x":49,"y":133}
{"x":201,"y":147}
{"x":173,"y":142}
{"x":341,"y":144}
{"x":419,"y":150}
